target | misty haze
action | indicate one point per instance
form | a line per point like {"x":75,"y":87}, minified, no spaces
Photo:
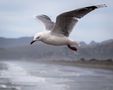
{"x":44,"y":67}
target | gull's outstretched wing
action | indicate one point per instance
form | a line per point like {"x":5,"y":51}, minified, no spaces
{"x":66,"y":21}
{"x":46,"y":21}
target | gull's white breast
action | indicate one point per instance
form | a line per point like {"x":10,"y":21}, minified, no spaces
{"x":52,"y":39}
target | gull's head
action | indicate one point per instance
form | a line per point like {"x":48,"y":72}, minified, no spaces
{"x":37,"y":37}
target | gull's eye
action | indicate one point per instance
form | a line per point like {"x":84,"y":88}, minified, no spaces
{"x":38,"y":37}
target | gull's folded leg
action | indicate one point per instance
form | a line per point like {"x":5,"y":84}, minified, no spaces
{"x":72,"y":48}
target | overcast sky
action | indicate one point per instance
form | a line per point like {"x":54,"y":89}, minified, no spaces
{"x":17,"y":18}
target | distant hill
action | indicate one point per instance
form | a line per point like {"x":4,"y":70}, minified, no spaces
{"x":14,"y":42}
{"x":103,"y":50}
{"x":20,"y":48}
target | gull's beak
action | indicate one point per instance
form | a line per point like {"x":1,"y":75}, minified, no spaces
{"x":32,"y":42}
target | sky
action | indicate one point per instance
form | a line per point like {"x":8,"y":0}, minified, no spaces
{"x":18,"y":18}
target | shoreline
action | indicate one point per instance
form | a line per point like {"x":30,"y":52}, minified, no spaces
{"x":78,"y":63}
{"x":86,"y":64}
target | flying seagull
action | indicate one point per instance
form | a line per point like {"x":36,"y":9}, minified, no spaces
{"x":58,"y":33}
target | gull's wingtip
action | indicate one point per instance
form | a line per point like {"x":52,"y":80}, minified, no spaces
{"x":101,"y":5}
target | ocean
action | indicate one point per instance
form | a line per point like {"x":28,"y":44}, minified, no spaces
{"x":29,"y":75}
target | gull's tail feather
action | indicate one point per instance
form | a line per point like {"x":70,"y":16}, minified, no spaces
{"x":101,"y":5}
